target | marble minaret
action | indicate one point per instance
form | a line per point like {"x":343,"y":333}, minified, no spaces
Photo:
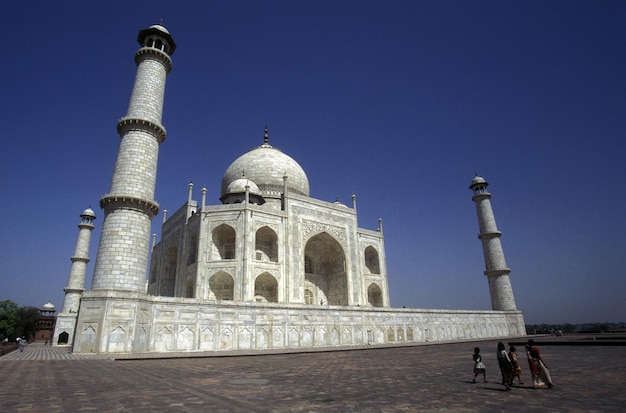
{"x":122,"y":260}
{"x":66,"y":320}
{"x":496,"y":269}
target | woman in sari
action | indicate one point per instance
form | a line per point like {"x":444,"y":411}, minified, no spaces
{"x":538,"y":369}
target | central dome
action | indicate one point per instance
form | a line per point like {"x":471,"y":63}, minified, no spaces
{"x":266,"y":166}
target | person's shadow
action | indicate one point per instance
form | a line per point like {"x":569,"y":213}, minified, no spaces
{"x":489,"y":386}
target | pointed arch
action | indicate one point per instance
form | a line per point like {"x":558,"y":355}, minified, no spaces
{"x":266,"y":288}
{"x":88,"y":340}
{"x":266,"y":245}
{"x":207,"y":339}
{"x":374,"y":295}
{"x":142,"y":343}
{"x":327,"y":276}
{"x":63,"y":338}
{"x":226,"y":338}
{"x":185,"y":339}
{"x":169,"y":272}
{"x":262,"y":338}
{"x":163,"y":340}
{"x":223,"y":243}
{"x":221,"y":286}
{"x":192,"y":249}
{"x":372,"y":263}
{"x":117,"y":340}
{"x":400,"y":334}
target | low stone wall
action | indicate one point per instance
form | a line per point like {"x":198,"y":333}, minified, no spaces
{"x":6,"y":348}
{"x":162,"y":324}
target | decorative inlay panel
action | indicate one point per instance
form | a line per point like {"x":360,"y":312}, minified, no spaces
{"x":311,"y":228}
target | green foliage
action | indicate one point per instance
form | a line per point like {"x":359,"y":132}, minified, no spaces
{"x":28,"y":321}
{"x":17,"y":321}
{"x":8,"y":319}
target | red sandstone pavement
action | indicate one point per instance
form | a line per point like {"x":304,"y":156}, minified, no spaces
{"x":424,"y":378}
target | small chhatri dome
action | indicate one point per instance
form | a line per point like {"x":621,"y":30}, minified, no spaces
{"x":478,"y":180}
{"x":159,"y":27}
{"x":236,"y":192}
{"x":48,"y":307}
{"x":88,"y":213}
{"x":266,"y":166}
{"x":157,"y":30}
{"x":239,"y":185}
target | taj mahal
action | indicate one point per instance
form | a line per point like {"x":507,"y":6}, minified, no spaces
{"x":270,"y":268}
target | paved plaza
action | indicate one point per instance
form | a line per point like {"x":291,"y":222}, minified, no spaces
{"x":422,"y":378}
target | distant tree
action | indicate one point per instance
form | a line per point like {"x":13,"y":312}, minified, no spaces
{"x":568,"y":328}
{"x":8,"y":319}
{"x":590,"y":328}
{"x":17,"y":321}
{"x":28,"y":320}
{"x":586,"y":328}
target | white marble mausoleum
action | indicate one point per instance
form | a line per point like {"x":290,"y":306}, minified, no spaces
{"x":268,"y":268}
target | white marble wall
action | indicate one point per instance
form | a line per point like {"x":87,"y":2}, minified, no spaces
{"x":114,"y":323}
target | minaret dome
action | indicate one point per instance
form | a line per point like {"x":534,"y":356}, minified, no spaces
{"x":157,"y":36}
{"x":479,"y":185}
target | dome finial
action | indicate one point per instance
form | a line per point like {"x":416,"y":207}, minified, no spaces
{"x":266,"y":137}
{"x":161,"y":22}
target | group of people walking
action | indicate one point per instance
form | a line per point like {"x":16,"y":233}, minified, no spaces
{"x":510,"y":366}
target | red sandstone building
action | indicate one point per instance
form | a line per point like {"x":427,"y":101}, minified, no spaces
{"x":47,"y":319}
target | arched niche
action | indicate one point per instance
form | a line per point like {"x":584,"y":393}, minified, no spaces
{"x":192,"y":249}
{"x":266,"y":245}
{"x":169,"y":272}
{"x":221,"y":286}
{"x":326,"y":270}
{"x":374,"y":295}
{"x":372,"y":263}
{"x":266,"y":288}
{"x":63,"y":338}
{"x":223,"y":243}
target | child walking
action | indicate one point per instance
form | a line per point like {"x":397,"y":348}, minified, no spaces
{"x":517,"y":369}
{"x":479,"y":367}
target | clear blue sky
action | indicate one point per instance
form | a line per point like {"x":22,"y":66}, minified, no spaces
{"x":399,"y":102}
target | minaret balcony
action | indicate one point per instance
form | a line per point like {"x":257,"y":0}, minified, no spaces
{"x":136,"y":124}
{"x":74,"y":290}
{"x":130,"y":202}
{"x":489,"y":235}
{"x":492,"y":273}
{"x":156,"y":54}
{"x":86,"y":225}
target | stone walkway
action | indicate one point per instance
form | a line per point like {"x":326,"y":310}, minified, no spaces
{"x":40,"y":351}
{"x":425,"y":378}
